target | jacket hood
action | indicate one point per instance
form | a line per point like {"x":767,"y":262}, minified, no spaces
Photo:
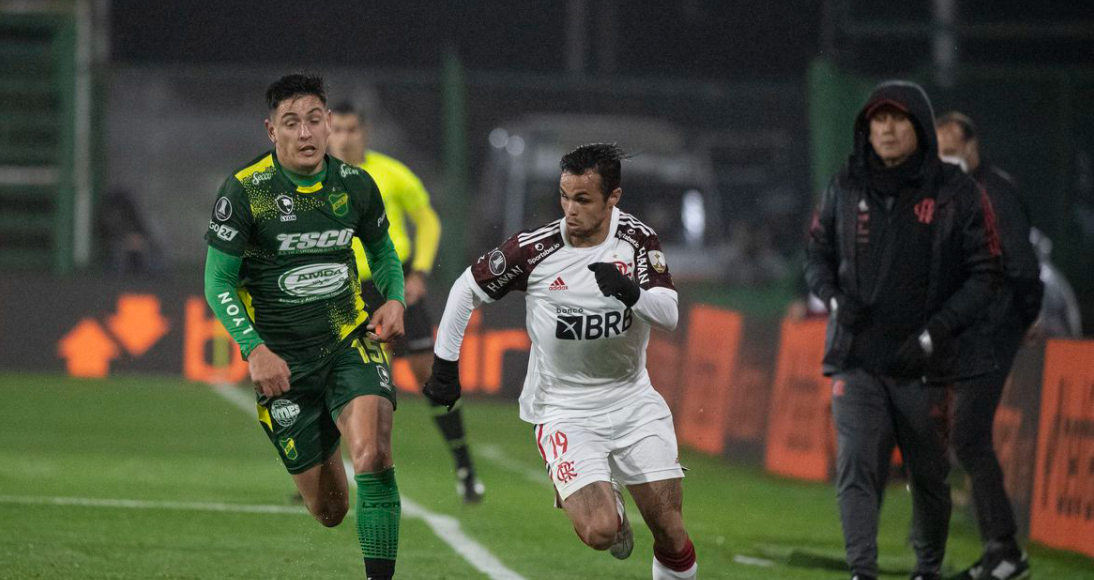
{"x":910,"y":98}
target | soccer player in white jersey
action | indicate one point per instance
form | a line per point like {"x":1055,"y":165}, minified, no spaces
{"x":595,"y":282}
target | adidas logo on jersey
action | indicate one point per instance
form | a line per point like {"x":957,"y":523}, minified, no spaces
{"x":558,"y":284}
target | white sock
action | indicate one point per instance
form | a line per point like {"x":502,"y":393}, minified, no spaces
{"x":660,"y":572}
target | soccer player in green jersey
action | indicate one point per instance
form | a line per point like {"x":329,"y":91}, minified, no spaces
{"x":405,"y":196}
{"x":281,"y":276}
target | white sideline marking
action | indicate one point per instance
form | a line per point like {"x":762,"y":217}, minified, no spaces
{"x":141,"y":504}
{"x":447,"y":528}
{"x":495,"y":455}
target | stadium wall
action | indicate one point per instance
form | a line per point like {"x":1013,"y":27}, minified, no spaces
{"x":740,"y":387}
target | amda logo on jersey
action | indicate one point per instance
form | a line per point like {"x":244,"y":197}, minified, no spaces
{"x":315,"y":281}
{"x":593,"y":326}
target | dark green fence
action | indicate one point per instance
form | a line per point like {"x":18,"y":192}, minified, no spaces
{"x":37,"y":140}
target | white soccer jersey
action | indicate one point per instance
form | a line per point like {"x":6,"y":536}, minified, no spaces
{"x":588,"y":350}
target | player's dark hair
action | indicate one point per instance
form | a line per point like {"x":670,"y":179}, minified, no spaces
{"x":963,"y":122}
{"x":604,"y":158}
{"x":294,"y":86}
{"x":348,"y":108}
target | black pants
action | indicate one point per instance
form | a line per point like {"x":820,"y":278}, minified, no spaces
{"x":975,"y":403}
{"x":870,"y":410}
{"x":417,"y":323}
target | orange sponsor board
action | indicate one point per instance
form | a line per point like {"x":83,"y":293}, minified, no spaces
{"x":209,"y":354}
{"x":663,"y":364}
{"x":799,"y":427}
{"x":202,"y":333}
{"x":1012,"y":450}
{"x":87,"y":350}
{"x":713,"y":339}
{"x":748,"y":406}
{"x":1063,"y":486}
{"x":138,"y":324}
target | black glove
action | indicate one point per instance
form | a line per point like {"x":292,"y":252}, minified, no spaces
{"x":850,"y":313}
{"x":612,"y":282}
{"x":910,"y":360}
{"x":443,"y":385}
{"x":940,"y":333}
{"x":912,"y":356}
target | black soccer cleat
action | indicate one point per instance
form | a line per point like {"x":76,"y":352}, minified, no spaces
{"x":468,"y":487}
{"x":974,"y":572}
{"x":1007,"y":568}
{"x":999,"y":568}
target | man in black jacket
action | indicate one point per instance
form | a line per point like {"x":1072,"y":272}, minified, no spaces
{"x":904,"y":251}
{"x":1016,"y":307}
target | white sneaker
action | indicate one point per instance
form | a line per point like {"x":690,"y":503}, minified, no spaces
{"x":624,"y":540}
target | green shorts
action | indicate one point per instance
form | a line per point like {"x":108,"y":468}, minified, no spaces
{"x":301,"y":423}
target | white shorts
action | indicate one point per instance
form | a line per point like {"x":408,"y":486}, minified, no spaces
{"x":635,"y":444}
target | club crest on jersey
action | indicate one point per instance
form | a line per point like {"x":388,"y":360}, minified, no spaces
{"x":497,"y":262}
{"x":284,"y":412}
{"x":657,"y":261}
{"x":565,"y":472}
{"x":285,"y":205}
{"x":339,"y":203}
{"x":223,"y":209}
{"x":288,"y":445}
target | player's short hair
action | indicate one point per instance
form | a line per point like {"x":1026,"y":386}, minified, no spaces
{"x":348,"y":108}
{"x":963,"y":122}
{"x":295,"y":85}
{"x":604,"y":158}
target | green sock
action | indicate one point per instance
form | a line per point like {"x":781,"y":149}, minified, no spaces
{"x":378,"y":511}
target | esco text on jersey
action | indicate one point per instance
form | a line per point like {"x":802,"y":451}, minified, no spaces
{"x":593,"y":326}
{"x":309,"y":240}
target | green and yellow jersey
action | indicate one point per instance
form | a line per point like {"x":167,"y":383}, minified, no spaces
{"x":298,"y":277}
{"x":404,"y":196}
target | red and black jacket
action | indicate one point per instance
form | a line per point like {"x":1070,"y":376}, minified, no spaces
{"x":965,"y":270}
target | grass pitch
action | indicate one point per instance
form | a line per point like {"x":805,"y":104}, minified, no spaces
{"x":193,"y":464}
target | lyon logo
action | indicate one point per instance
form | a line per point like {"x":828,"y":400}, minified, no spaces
{"x":285,"y":204}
